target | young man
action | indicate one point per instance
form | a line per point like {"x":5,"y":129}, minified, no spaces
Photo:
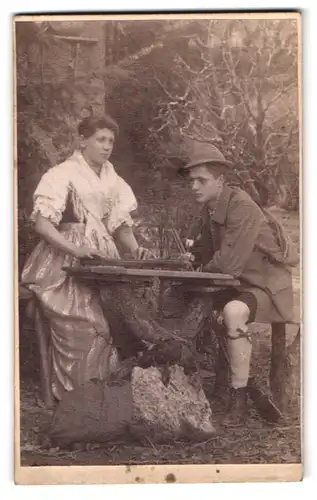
{"x":236,"y":237}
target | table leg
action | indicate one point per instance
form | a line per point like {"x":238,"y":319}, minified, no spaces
{"x":278,"y":365}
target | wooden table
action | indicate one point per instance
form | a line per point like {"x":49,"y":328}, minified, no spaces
{"x":117,"y":274}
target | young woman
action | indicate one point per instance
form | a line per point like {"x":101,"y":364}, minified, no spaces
{"x":81,"y":208}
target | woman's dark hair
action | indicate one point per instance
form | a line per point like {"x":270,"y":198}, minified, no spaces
{"x":89,"y":125}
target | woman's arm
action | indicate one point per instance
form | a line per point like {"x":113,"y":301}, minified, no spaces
{"x":50,"y":234}
{"x":125,"y":235}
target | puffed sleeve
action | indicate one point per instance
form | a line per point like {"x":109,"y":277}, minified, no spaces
{"x":123,"y":203}
{"x":50,"y":196}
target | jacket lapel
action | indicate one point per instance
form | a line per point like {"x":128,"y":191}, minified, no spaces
{"x":220,"y":214}
{"x":218,"y":218}
{"x":209,"y":234}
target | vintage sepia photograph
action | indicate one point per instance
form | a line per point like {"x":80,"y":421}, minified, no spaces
{"x":158,"y":248}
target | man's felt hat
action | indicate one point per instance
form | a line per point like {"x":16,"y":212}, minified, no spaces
{"x":205,"y":153}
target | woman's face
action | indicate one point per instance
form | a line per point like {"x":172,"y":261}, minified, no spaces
{"x":98,"y":147}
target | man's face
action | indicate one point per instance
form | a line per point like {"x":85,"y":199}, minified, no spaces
{"x":206,"y":187}
{"x":99,"y":146}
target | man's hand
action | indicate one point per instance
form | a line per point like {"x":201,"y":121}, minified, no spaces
{"x":187,"y":259}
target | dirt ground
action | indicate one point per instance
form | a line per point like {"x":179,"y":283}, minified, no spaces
{"x":257,"y":442}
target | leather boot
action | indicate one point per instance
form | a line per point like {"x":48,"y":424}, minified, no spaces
{"x":237,"y":411}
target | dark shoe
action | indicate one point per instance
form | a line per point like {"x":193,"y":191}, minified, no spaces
{"x":237,"y":411}
{"x":264,"y":403}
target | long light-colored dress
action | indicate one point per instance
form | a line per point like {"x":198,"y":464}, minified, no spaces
{"x":81,"y":345}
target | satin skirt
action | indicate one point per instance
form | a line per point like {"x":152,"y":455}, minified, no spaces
{"x":80,"y":342}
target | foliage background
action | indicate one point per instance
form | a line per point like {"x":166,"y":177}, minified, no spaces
{"x":231,"y":82}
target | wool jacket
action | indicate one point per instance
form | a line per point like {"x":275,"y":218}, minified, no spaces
{"x":237,"y":238}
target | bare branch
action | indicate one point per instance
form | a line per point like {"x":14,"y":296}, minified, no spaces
{"x":283,"y":91}
{"x":184,"y":63}
{"x":195,"y":136}
{"x":162,"y":87}
{"x":271,"y":135}
{"x":247,"y":101}
{"x":162,"y":127}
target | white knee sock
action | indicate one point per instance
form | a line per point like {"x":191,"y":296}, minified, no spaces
{"x":240,"y":349}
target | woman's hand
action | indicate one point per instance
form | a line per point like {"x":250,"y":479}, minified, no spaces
{"x":85,"y":252}
{"x":47,"y":231}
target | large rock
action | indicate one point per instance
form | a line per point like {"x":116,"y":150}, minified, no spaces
{"x":176,"y":409}
{"x":162,"y":404}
